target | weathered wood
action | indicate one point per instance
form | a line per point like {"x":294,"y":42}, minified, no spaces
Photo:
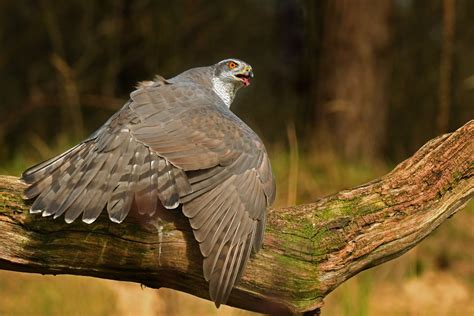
{"x":308,"y":251}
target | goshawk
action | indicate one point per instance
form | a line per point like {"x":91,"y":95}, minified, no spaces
{"x":175,"y":142}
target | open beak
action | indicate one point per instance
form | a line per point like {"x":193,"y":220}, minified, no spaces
{"x":245,"y":75}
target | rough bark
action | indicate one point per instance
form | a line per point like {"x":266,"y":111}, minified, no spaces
{"x":351,"y":88}
{"x":308,"y":250}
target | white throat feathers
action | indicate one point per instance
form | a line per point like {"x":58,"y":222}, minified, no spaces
{"x":225,"y":90}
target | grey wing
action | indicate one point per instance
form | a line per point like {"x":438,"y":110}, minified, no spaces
{"x":109,"y":170}
{"x":228,"y":221}
{"x":229,"y":173}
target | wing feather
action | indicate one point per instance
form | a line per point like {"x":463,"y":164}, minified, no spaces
{"x":227,"y":267}
{"x":214,"y":262}
{"x":52,"y":197}
{"x":81,"y":192}
{"x":225,"y":222}
{"x":77,"y":185}
{"x":147,"y":193}
{"x":97,"y":189}
{"x":33,"y":174}
{"x":121,"y":199}
{"x":211,"y":219}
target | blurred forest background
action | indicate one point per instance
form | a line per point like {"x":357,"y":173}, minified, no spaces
{"x":343,"y":91}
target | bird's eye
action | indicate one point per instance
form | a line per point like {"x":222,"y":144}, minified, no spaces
{"x":232,"y":64}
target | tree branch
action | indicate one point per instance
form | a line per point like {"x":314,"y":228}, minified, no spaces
{"x":308,"y":251}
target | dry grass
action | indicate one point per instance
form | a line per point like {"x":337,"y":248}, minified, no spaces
{"x":31,"y":294}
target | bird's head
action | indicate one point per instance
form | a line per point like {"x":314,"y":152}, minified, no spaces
{"x":229,"y":76}
{"x":234,"y":71}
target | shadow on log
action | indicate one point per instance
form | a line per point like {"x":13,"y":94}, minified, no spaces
{"x":308,"y":251}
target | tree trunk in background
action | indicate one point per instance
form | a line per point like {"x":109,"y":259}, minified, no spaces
{"x":446,"y":66}
{"x":350,"y":94}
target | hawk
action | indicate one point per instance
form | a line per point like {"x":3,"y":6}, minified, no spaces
{"x":175,"y":143}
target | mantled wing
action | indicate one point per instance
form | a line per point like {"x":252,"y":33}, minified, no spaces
{"x":226,"y":165}
{"x":111,"y":169}
{"x":179,"y":143}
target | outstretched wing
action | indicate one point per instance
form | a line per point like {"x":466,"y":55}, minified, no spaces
{"x":180,"y":143}
{"x":228,"y":221}
{"x":227,"y":167}
{"x":111,"y":169}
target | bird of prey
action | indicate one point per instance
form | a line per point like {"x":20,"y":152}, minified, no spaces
{"x":177,"y":143}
